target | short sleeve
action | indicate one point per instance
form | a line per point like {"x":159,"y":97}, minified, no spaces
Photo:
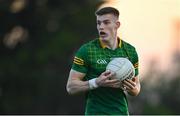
{"x":136,"y":62}
{"x":80,"y":60}
{"x":133,"y":56}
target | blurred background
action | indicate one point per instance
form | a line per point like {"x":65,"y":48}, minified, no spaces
{"x":38,"y":39}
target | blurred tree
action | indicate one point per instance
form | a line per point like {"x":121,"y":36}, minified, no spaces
{"x":37,"y":43}
{"x":159,"y":93}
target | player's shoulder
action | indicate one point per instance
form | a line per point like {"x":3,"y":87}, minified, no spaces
{"x":127,"y":45}
{"x":84,"y":48}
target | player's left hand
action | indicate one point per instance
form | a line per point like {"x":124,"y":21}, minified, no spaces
{"x":128,"y":84}
{"x":132,"y":86}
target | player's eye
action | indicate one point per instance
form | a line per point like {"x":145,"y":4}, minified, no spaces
{"x":98,"y":23}
{"x":106,"y":22}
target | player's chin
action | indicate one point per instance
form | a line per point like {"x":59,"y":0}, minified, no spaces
{"x":104,"y":38}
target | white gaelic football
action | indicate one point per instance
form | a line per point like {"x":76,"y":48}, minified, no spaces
{"x":122,"y":68}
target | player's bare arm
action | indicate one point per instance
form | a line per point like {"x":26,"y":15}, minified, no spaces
{"x":132,"y":86}
{"x":76,"y":84}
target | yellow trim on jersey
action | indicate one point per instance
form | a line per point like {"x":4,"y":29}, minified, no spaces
{"x":120,"y":42}
{"x":104,"y":46}
{"x":78,"y":61}
{"x":136,"y":65}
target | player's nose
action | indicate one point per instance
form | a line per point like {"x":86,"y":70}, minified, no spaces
{"x":101,"y":26}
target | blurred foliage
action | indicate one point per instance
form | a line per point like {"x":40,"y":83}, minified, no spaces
{"x":159,"y":91}
{"x":38,"y":39}
{"x":33,"y":73}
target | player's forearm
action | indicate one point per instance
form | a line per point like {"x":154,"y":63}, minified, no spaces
{"x":77,"y":86}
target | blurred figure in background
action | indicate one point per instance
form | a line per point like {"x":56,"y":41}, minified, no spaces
{"x":105,"y":96}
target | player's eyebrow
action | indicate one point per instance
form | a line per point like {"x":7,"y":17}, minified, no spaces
{"x":106,"y":20}
{"x":103,"y":20}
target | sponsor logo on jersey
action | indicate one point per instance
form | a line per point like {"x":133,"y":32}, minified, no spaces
{"x":101,"y":61}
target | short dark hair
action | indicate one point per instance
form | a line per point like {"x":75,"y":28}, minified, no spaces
{"x":107,"y":10}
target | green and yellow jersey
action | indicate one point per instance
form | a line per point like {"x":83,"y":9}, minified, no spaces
{"x":92,"y":59}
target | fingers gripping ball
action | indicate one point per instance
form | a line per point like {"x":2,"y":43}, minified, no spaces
{"x":122,"y":68}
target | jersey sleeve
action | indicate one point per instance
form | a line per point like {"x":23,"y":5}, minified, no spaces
{"x":133,"y":56}
{"x":80,"y":60}
{"x":135,"y":62}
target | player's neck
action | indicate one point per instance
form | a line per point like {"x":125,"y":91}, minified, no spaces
{"x":113,"y":43}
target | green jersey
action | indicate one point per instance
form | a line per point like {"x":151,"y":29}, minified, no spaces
{"x":92,"y":59}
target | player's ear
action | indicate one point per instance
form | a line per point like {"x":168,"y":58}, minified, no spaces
{"x":118,"y":24}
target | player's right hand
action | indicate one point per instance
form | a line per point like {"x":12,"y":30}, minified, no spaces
{"x":105,"y":80}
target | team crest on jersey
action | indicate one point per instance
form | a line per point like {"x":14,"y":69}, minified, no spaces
{"x":101,"y":61}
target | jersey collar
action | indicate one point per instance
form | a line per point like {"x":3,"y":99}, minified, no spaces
{"x":104,"y":46}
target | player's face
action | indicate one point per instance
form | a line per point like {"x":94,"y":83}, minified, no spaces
{"x":107,"y":26}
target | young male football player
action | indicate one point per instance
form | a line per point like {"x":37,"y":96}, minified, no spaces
{"x":105,"y":96}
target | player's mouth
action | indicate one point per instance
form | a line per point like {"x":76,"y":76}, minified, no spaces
{"x":103,"y":34}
